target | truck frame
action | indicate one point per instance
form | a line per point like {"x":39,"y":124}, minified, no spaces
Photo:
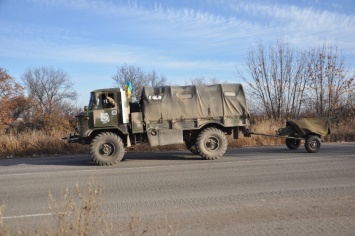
{"x":199,"y":116}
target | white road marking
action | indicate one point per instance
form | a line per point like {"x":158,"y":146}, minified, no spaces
{"x":33,"y":215}
{"x":24,"y":216}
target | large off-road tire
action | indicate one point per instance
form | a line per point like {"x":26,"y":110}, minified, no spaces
{"x":211,"y":143}
{"x":312,"y":144}
{"x":292,"y":143}
{"x":191,"y":146}
{"x":107,"y":149}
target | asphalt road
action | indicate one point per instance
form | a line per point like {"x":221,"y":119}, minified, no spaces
{"x":250,"y":191}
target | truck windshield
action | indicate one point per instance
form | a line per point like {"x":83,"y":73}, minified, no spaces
{"x":92,"y":101}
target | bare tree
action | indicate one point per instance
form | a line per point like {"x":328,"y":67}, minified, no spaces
{"x":276,"y":79}
{"x":138,"y":78}
{"x":51,"y":90}
{"x":204,"y":81}
{"x":153,"y":79}
{"x":329,"y":80}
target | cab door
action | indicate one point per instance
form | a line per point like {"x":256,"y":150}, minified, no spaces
{"x":105,"y":113}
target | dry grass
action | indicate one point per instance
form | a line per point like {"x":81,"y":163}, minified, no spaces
{"x":3,"y":229}
{"x":78,"y":211}
{"x":342,"y":131}
{"x":261,"y":126}
{"x":39,"y":143}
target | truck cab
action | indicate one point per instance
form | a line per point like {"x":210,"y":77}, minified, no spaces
{"x":108,"y":110}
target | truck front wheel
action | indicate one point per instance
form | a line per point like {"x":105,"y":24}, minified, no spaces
{"x":211,"y":143}
{"x":107,"y":149}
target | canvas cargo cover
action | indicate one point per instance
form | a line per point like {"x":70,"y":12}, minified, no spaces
{"x":193,"y":102}
{"x":305,"y":126}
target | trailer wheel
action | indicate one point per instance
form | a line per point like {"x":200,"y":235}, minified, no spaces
{"x":107,"y":149}
{"x":211,"y":143}
{"x":191,"y":146}
{"x":292,"y":143}
{"x":312,"y":144}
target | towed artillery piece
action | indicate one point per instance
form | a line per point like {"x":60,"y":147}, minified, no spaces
{"x":311,"y":130}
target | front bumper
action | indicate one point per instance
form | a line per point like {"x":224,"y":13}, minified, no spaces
{"x":72,"y":138}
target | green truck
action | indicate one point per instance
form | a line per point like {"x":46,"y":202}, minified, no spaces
{"x":198,"y":116}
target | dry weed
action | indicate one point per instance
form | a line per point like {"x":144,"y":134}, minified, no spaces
{"x":79,"y":213}
{"x":259,"y":126}
{"x":342,"y":130}
{"x":36,"y":143}
{"x":3,"y":231}
{"x":7,"y":231}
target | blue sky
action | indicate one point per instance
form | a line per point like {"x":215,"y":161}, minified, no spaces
{"x":181,"y":40}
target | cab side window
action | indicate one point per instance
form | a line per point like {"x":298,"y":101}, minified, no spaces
{"x":101,"y":100}
{"x":108,"y":100}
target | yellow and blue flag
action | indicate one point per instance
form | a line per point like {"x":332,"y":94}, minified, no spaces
{"x":129,"y":89}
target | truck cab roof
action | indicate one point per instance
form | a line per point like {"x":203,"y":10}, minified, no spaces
{"x":107,"y":89}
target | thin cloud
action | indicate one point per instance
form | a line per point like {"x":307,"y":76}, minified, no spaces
{"x":210,"y":27}
{"x":301,"y":22}
{"x":212,"y":38}
{"x":211,"y":30}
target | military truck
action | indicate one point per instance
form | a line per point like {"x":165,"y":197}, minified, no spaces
{"x":198,"y":116}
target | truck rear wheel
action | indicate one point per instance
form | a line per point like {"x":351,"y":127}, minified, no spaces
{"x":211,"y":143}
{"x":107,"y":149}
